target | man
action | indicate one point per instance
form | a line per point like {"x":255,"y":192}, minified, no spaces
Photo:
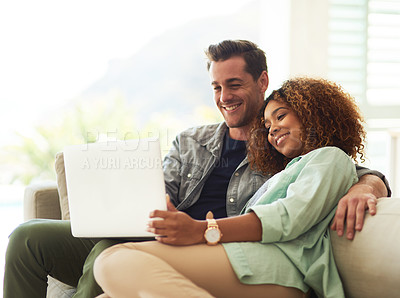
{"x":206,"y":169}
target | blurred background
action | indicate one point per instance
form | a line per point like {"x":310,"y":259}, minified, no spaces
{"x":80,"y":71}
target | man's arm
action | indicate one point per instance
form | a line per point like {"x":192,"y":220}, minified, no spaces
{"x":172,"y":168}
{"x":351,"y":208}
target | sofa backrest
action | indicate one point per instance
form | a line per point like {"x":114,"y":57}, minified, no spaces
{"x":62,"y":186}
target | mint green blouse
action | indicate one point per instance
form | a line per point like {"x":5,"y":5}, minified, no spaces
{"x":296,"y":207}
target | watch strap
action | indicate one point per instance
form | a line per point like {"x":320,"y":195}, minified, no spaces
{"x":211,"y":224}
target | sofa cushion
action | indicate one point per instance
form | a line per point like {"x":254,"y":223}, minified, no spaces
{"x":62,"y":186}
{"x":41,"y":201}
{"x":57,"y":289}
{"x":369,"y":265}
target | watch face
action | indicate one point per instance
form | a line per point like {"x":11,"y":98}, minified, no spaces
{"x":213,"y":235}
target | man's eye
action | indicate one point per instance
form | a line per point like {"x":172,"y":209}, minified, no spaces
{"x":235,"y":86}
{"x":217,"y":88}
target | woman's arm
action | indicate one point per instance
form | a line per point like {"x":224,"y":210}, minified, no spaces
{"x":178,"y":228}
{"x":305,"y":194}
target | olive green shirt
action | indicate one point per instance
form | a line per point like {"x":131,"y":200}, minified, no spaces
{"x":295,"y":208}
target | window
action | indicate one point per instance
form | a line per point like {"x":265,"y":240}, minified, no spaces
{"x":356,"y":43}
{"x":364,"y":54}
{"x":364,"y":57}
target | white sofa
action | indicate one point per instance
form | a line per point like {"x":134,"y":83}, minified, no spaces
{"x":369,"y":265}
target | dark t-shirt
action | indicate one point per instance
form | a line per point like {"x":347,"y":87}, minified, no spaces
{"x":213,"y":195}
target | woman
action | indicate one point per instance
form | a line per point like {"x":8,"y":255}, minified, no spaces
{"x":307,"y":133}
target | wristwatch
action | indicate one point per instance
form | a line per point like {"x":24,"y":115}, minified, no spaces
{"x":213,"y":233}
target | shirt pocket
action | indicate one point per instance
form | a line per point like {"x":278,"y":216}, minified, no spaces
{"x":190,"y":174}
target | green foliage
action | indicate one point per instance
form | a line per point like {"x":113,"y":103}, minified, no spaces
{"x":32,"y":157}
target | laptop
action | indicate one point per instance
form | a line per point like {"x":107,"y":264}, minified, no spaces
{"x":113,"y":186}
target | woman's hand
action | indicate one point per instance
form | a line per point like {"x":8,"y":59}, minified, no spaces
{"x":175,"y":227}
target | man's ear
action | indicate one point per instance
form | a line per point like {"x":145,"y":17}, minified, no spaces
{"x":263,"y":81}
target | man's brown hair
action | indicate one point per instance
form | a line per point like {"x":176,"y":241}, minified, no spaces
{"x":254,"y":57}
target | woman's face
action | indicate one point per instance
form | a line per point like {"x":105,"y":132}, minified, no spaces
{"x":284,"y":129}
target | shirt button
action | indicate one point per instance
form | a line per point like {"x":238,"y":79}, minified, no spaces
{"x":189,"y":175}
{"x":236,"y":174}
{"x":231,"y":200}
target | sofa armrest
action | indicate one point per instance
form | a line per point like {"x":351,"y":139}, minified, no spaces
{"x":369,"y":265}
{"x":42,"y":201}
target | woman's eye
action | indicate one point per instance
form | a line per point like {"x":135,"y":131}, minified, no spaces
{"x":280,"y":117}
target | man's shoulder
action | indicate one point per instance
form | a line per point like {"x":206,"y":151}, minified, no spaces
{"x":204,"y":133}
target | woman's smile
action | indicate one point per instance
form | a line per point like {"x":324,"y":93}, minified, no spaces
{"x":284,"y":129}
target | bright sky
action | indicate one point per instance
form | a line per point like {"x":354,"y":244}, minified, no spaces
{"x":52,"y":50}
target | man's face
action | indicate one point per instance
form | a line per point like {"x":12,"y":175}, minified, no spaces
{"x":236,"y":94}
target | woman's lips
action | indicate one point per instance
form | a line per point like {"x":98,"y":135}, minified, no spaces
{"x":281,"y":138}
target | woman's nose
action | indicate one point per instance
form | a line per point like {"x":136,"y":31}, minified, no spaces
{"x":274,"y":129}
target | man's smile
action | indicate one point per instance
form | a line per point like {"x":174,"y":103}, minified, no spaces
{"x":232,"y":107}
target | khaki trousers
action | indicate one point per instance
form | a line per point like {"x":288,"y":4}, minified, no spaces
{"x":152,"y":269}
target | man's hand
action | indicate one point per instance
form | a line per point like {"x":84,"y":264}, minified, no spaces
{"x":175,"y":227}
{"x":351,"y":208}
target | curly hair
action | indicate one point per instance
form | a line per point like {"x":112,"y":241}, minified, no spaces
{"x":329,"y":117}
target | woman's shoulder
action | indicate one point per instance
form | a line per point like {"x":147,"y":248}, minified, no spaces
{"x":328,"y":150}
{"x":325,"y":156}
{"x":328,"y":153}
